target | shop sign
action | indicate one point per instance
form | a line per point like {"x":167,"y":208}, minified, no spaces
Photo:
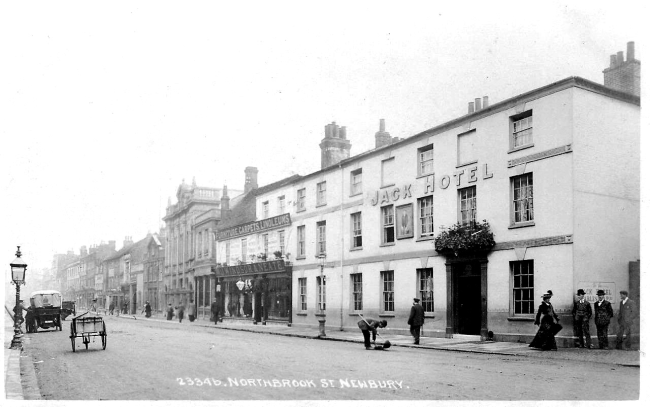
{"x":255,"y":227}
{"x":265,"y":267}
{"x":592,"y":287}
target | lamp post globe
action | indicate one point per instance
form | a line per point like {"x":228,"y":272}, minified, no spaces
{"x":18,"y":269}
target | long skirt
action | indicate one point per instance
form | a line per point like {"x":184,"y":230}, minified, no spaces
{"x":545,"y":337}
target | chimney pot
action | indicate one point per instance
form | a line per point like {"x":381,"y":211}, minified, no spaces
{"x":477,"y":104}
{"x":485,"y":102}
{"x":382,"y":125}
{"x":630,"y":51}
{"x":470,"y":107}
{"x":619,"y":57}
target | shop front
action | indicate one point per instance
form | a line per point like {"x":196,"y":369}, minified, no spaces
{"x":259,"y":292}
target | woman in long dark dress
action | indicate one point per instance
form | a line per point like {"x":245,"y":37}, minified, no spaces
{"x":548,"y":326}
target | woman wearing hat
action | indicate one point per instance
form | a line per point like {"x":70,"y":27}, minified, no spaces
{"x":548,"y":325}
{"x":603,"y":312}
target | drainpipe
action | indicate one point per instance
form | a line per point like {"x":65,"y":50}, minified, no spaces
{"x":342,"y":248}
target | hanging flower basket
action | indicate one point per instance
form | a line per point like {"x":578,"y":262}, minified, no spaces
{"x":475,"y":237}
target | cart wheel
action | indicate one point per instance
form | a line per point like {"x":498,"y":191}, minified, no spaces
{"x":104,"y":341}
{"x":73,"y":348}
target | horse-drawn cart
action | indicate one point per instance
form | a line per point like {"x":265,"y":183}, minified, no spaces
{"x":84,"y":328}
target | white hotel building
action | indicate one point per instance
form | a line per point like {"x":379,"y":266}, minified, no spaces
{"x":554,"y":172}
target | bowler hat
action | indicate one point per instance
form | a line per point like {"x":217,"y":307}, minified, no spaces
{"x":416,"y":299}
{"x":623,"y":292}
{"x":548,"y":294}
{"x":600,"y":292}
{"x":581,"y":292}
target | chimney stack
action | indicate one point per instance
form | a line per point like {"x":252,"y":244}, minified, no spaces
{"x":630,"y":51}
{"x":382,"y":137}
{"x":624,"y":75}
{"x":225,"y":203}
{"x":477,"y":104}
{"x":485,"y":102}
{"x":251,"y":179}
{"x":470,"y":107}
{"x":335,"y":146}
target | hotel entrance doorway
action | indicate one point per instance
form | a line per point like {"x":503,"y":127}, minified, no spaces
{"x":467,"y":298}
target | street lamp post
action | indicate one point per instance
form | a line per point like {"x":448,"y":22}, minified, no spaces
{"x":18,"y":268}
{"x":321,"y":299}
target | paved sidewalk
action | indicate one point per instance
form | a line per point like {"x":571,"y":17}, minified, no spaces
{"x":13,"y":387}
{"x":609,"y":356}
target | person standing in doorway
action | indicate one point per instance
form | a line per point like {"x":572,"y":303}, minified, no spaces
{"x":602,"y":314}
{"x":625,"y":319}
{"x":170,"y":312}
{"x":581,"y":316}
{"x":191,"y":311}
{"x":416,"y":320}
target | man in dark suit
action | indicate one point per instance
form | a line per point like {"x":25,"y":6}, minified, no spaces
{"x":581,"y":316}
{"x":602,"y":314}
{"x":416,"y":320}
{"x":626,"y":314}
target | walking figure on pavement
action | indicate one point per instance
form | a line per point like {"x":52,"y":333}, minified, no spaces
{"x":181,"y":313}
{"x":626,"y":314}
{"x":548,"y":325}
{"x":416,"y":320}
{"x":147,"y":309}
{"x":170,"y":312}
{"x":370,"y":325}
{"x":602,"y":314}
{"x":214,"y":309}
{"x":191,"y":311}
{"x":111,"y":308}
{"x":581,"y":316}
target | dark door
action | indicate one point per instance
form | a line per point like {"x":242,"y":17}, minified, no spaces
{"x":468,"y":298}
{"x":258,"y":307}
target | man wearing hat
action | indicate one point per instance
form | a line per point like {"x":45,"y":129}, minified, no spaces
{"x":581,"y":316}
{"x":602,"y":314}
{"x":416,"y":320}
{"x":626,"y":315}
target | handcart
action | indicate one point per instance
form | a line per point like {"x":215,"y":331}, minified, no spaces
{"x":85,"y":327}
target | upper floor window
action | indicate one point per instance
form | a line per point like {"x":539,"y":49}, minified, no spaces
{"x":521,"y":130}
{"x":388,"y":224}
{"x":321,"y":190}
{"x":265,"y":245}
{"x":281,"y":205}
{"x":300,"y":200}
{"x":466,"y":151}
{"x":265,"y":209}
{"x":301,"y":242}
{"x":425,"y":212}
{"x":321,"y":238}
{"x":522,"y":199}
{"x":200,"y":244}
{"x":355,"y":182}
{"x":357,"y":241}
{"x":227,"y":253}
{"x":467,"y":205}
{"x":425,"y":160}
{"x":281,"y":241}
{"x":244,"y":250}
{"x":388,"y":172}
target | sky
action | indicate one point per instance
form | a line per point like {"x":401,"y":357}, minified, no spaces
{"x":106,"y":108}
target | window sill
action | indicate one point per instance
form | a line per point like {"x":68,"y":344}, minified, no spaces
{"x":387,"y":244}
{"x":355,"y":313}
{"x":323,"y":204}
{"x":387,"y":186}
{"x":356,"y":194}
{"x":522,"y":318}
{"x":424,"y":238}
{"x":354,"y":249}
{"x":319,"y":314}
{"x":300,"y":210}
{"x":467,"y":163}
{"x":303,"y":313}
{"x":391,"y":315}
{"x":301,"y":257}
{"x":515,"y":149}
{"x":522,"y":225}
{"x":423,"y":175}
